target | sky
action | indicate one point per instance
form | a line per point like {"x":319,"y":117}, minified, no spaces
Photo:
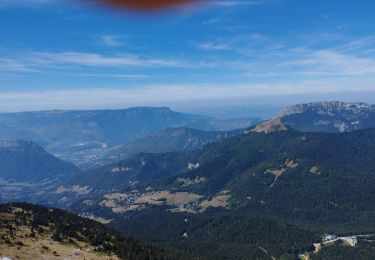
{"x":61,"y":54}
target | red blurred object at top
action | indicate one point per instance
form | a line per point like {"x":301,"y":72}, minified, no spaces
{"x":146,"y":5}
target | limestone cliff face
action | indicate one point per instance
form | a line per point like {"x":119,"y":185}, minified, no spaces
{"x":328,"y":108}
{"x":329,"y":116}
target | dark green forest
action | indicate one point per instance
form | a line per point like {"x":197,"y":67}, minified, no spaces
{"x":219,"y":235}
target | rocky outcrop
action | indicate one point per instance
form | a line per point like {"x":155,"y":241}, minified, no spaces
{"x":329,"y":116}
{"x":274,"y":125}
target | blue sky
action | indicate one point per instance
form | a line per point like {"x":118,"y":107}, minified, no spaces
{"x":64,"y":54}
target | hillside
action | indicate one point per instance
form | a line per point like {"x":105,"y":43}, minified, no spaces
{"x":167,"y":140}
{"x":329,"y":116}
{"x":220,"y":235}
{"x":35,"y":232}
{"x":302,"y":177}
{"x":143,"y":167}
{"x":26,"y":169}
{"x":25,"y":161}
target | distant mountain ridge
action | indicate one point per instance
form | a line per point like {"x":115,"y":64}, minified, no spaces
{"x":71,"y":135}
{"x":329,"y":116}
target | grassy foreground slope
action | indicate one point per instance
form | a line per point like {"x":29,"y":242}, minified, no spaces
{"x":35,"y":232}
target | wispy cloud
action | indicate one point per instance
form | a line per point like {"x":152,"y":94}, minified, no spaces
{"x":212,"y":46}
{"x":264,"y":56}
{"x":119,"y":76}
{"x":328,"y":62}
{"x":98,"y":60}
{"x":235,"y":43}
{"x":35,"y":60}
{"x":13,"y":65}
{"x":111,"y":40}
{"x":272,"y":61}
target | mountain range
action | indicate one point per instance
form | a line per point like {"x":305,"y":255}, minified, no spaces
{"x":73,"y":135}
{"x":322,"y":182}
{"x":285,"y":181}
{"x":277,"y":171}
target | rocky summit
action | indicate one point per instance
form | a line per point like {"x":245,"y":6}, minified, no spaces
{"x":329,"y":116}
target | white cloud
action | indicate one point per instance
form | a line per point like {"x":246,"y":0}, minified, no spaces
{"x":212,"y":46}
{"x":13,"y":65}
{"x":36,"y":60}
{"x":101,"y":75}
{"x":98,"y":60}
{"x":159,"y":95}
{"x":270,"y":63}
{"x":332,"y":63}
{"x":111,"y":40}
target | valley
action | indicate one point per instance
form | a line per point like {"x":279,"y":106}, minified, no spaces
{"x":218,"y":187}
